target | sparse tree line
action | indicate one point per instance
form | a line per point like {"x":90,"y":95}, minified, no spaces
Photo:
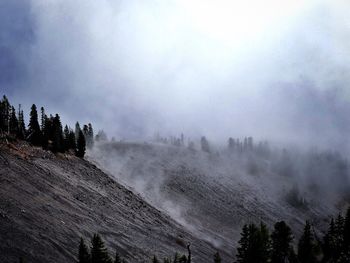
{"x":233,"y":146}
{"x":49,"y":134}
{"x":257,"y":245}
{"x":314,"y":171}
{"x":98,"y":253}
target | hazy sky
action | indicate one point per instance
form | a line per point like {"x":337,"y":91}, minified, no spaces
{"x":271,"y":69}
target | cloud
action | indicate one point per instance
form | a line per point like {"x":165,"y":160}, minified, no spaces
{"x":139,"y":67}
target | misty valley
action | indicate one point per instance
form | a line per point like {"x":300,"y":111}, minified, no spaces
{"x":245,"y":201}
{"x":174,"y":131}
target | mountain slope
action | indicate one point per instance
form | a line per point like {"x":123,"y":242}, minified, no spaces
{"x":47,"y":202}
{"x":213,"y":195}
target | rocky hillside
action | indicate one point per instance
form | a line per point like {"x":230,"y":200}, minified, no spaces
{"x":213,"y":195}
{"x":48,"y":202}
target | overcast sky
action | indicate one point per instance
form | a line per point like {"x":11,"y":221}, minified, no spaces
{"x":272,"y":69}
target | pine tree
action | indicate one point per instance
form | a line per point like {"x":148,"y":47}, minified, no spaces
{"x":21,"y":125}
{"x":99,"y":252}
{"x":101,"y":136}
{"x":176,"y":258}
{"x":57,"y":142}
{"x":66,"y":133}
{"x":81,"y":145}
{"x":5,"y":114}
{"x":346,"y":232}
{"x":90,"y":136}
{"x":77,"y":130}
{"x":254,"y":244}
{"x":281,"y":243}
{"x":155,"y":259}
{"x":329,"y":243}
{"x":72,"y":140}
{"x":243,"y":248}
{"x":231,"y":144}
{"x":217,"y":258}
{"x":43,"y":116}
{"x":306,"y":246}
{"x":262,"y":252}
{"x":34,"y":132}
{"x":117,"y":258}
{"x":13,"y":122}
{"x":84,"y":255}
{"x":205,"y":145}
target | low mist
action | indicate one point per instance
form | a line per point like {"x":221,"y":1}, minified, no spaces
{"x":276,"y":71}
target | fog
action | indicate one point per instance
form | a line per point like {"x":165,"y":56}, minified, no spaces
{"x":276,"y":71}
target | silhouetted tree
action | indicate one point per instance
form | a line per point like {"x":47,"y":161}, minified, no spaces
{"x":346,"y":233}
{"x":13,"y":125}
{"x":5,"y":109}
{"x":34,"y":132}
{"x":205,"y":145}
{"x":81,"y":145}
{"x":21,"y":125}
{"x":66,"y":133}
{"x":254,"y":244}
{"x":72,"y":140}
{"x":217,"y":258}
{"x":306,"y":246}
{"x":84,"y":255}
{"x":101,"y":136}
{"x":231,"y":144}
{"x":77,"y":130}
{"x":117,"y":258}
{"x":155,"y":259}
{"x":57,"y":140}
{"x":99,"y":252}
{"x":281,"y":243}
{"x":89,"y":135}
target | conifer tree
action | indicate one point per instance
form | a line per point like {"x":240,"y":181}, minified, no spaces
{"x":346,"y":232}
{"x":329,"y":243}
{"x":13,"y":122}
{"x":176,"y":258}
{"x":43,"y":116}
{"x":217,"y":258}
{"x":81,"y":145}
{"x":281,"y":243}
{"x":21,"y":125}
{"x":84,"y":255}
{"x":183,"y":259}
{"x":66,"y":133}
{"x":34,"y":132}
{"x":231,"y":144}
{"x":155,"y":259}
{"x":306,"y":246}
{"x":99,"y":252}
{"x":57,"y":140}
{"x":77,"y":130}
{"x":90,"y":136}
{"x":72,"y":140}
{"x":5,"y":114}
{"x":254,"y":244}
{"x":243,"y":248}
{"x":117,"y":258}
{"x":205,"y":145}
